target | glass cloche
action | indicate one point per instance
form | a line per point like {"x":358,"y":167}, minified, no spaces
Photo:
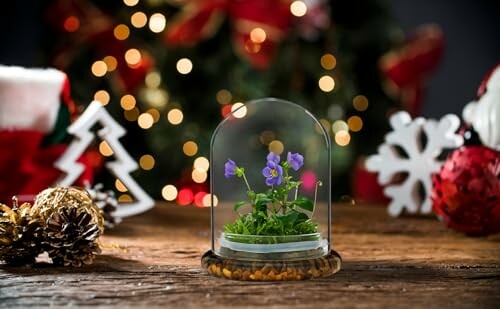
{"x":270,"y":164}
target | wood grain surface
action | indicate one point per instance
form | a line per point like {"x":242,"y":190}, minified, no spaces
{"x":405,"y":262}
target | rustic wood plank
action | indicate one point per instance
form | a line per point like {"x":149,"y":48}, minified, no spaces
{"x":387,"y":262}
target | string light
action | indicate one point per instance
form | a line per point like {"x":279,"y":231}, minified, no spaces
{"x":138,"y":19}
{"x":342,"y":138}
{"x":157,"y":22}
{"x":184,"y":66}
{"x":360,"y":103}
{"x":125,"y":198}
{"x":355,"y":123}
{"x":185,"y":197}
{"x":207,"y":200}
{"x":120,"y":186}
{"x":121,"y":32}
{"x":71,"y":24}
{"x":145,"y":121}
{"x":169,"y":192}
{"x":223,"y":96}
{"x":198,"y":198}
{"x":104,"y":149}
{"x":201,"y":163}
{"x":190,"y":148}
{"x":339,"y":125}
{"x":199,"y":176}
{"x":258,"y":35}
{"x":155,"y":113}
{"x":130,"y":2}
{"x":133,"y":57}
{"x":225,"y":110}
{"x":102,"y":96}
{"x":111,"y":63}
{"x":239,"y":110}
{"x":131,"y":115}
{"x":128,"y":102}
{"x":276,"y":146}
{"x":326,"y":83}
{"x":328,"y":61}
{"x":175,"y":116}
{"x":298,"y":8}
{"x":146,"y":162}
{"x":153,"y":79}
{"x":99,"y":68}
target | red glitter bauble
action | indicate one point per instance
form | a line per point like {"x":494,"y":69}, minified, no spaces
{"x":466,"y":191}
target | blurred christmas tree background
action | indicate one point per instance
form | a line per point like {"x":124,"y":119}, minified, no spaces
{"x":170,"y":70}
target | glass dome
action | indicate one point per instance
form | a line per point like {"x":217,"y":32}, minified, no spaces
{"x":271,"y":188}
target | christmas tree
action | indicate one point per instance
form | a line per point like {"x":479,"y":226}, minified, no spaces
{"x":169,"y":71}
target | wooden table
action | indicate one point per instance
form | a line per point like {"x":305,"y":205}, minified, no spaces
{"x":387,"y":263}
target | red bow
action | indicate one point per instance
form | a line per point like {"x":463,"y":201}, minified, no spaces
{"x":408,"y":67}
{"x":200,"y":19}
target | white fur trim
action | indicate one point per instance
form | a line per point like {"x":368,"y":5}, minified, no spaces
{"x":29,"y":98}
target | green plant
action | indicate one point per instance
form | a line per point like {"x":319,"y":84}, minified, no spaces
{"x":278,"y":211}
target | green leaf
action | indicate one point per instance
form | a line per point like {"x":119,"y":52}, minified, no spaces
{"x":238,"y":205}
{"x":304,"y":203}
{"x":302,"y":218}
{"x":289,"y":218}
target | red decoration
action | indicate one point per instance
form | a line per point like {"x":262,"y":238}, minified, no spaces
{"x":365,"y":186}
{"x":466,"y":193}
{"x":407,"y":67}
{"x":200,"y":19}
{"x":482,"y":87}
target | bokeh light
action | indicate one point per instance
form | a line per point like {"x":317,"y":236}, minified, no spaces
{"x":121,"y":32}
{"x":326,"y":83}
{"x":155,"y":113}
{"x":298,"y":8}
{"x":145,"y":121}
{"x":99,"y":68}
{"x":169,"y":192}
{"x":239,"y":110}
{"x":71,"y":24}
{"x":201,"y":163}
{"x":127,"y":102}
{"x":147,"y":162}
{"x":276,"y":146}
{"x":199,"y":176}
{"x":133,"y":57}
{"x":130,"y":2}
{"x":153,"y":79}
{"x":328,"y":61}
{"x":339,"y":125}
{"x":104,"y":149}
{"x":207,"y":200}
{"x":258,"y":35}
{"x":175,"y":116}
{"x":342,"y":138}
{"x":267,"y":137}
{"x":360,"y":103}
{"x":185,"y":197}
{"x":125,"y":198}
{"x":184,"y":66}
{"x":157,"y":22}
{"x":198,"y":198}
{"x":355,"y":123}
{"x":132,"y":115}
{"x":223,"y":96}
{"x":190,"y":148}
{"x":111,"y":63}
{"x":120,"y":186}
{"x":138,"y":19}
{"x":102,"y":96}
{"x":308,"y":179}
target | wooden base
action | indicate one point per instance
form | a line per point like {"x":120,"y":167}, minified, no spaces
{"x":276,"y":270}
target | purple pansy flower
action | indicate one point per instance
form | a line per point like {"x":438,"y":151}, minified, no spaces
{"x":296,"y":160}
{"x":273,"y":157}
{"x":230,"y":169}
{"x":273,"y":173}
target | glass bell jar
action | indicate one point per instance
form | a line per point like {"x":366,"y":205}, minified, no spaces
{"x":270,"y":167}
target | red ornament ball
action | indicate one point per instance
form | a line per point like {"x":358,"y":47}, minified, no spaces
{"x":466,"y":191}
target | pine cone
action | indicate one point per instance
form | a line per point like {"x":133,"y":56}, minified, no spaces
{"x":107,"y":202}
{"x":70,"y":237}
{"x":19,"y":235}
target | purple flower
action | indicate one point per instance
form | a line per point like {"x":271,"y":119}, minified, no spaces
{"x":230,"y":169}
{"x":273,"y":157}
{"x":273,"y":173}
{"x":296,"y":160}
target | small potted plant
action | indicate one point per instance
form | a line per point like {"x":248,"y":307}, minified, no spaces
{"x":274,"y":223}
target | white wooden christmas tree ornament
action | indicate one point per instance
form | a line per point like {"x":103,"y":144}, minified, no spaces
{"x":111,"y":131}
{"x":419,"y":160}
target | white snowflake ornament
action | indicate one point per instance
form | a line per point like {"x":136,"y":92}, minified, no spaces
{"x":419,"y":160}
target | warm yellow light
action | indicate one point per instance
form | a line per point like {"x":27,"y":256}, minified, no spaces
{"x":155,"y":113}
{"x":145,"y":121}
{"x":339,"y":125}
{"x":130,"y":2}
{"x":133,"y":56}
{"x":207,"y":200}
{"x":266,"y":137}
{"x":326,"y":83}
{"x":104,"y":149}
{"x":146,"y":162}
{"x":360,"y":103}
{"x":276,"y":146}
{"x":99,"y":68}
{"x":199,"y":176}
{"x":121,"y":32}
{"x":138,"y":19}
{"x":239,"y":110}
{"x":298,"y":8}
{"x":328,"y":61}
{"x":355,"y":123}
{"x":111,"y":63}
{"x":190,"y":148}
{"x":102,"y":96}
{"x":131,"y":115}
{"x":258,"y":35}
{"x":157,"y":22}
{"x":120,"y":186}
{"x":184,"y":66}
{"x":169,"y":192}
{"x":125,"y":198}
{"x":201,"y":163}
{"x":175,"y":116}
{"x":342,"y":138}
{"x":223,"y":96}
{"x":127,"y":102}
{"x":153,"y":79}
